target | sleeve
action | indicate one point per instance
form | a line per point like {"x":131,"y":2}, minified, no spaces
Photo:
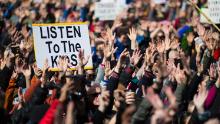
{"x":142,"y":113}
{"x":100,"y":74}
{"x":113,"y":82}
{"x":178,"y":92}
{"x":50,"y":99}
{"x":193,"y":86}
{"x":29,"y":92}
{"x":98,"y":117}
{"x":211,"y":97}
{"x":9,"y":95}
{"x":50,"y":114}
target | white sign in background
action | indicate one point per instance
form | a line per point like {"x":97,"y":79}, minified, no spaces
{"x":105,"y":11}
{"x":159,"y":1}
{"x":214,"y":10}
{"x":202,"y":18}
{"x":61,"y":39}
{"x":108,"y":10}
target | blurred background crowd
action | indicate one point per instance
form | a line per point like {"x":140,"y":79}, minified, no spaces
{"x":153,"y":64}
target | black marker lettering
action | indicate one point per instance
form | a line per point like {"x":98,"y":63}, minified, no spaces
{"x":48,"y":43}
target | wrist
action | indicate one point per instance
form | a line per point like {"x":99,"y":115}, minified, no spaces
{"x":103,"y":60}
{"x":27,"y":77}
{"x":101,"y":108}
{"x":200,"y":109}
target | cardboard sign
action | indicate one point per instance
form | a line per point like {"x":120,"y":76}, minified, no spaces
{"x":105,"y":11}
{"x":61,"y":39}
{"x":214,"y":10}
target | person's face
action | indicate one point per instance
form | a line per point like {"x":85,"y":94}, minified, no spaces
{"x":97,"y":97}
{"x":123,"y":38}
{"x":33,"y":15}
{"x":90,"y":75}
{"x":43,"y":12}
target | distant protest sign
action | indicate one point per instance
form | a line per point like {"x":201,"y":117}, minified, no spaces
{"x":159,"y":1}
{"x":105,"y":11}
{"x":202,"y":18}
{"x":61,"y":39}
{"x":214,"y":10}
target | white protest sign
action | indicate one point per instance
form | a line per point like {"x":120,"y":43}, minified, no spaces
{"x":105,"y":11}
{"x":61,"y":39}
{"x":107,"y":1}
{"x":202,"y":18}
{"x":214,"y":10}
{"x":159,"y":1}
{"x":121,"y":6}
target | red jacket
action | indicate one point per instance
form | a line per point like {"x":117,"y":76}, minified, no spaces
{"x":50,"y":114}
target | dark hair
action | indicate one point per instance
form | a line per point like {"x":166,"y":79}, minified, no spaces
{"x":122,"y":31}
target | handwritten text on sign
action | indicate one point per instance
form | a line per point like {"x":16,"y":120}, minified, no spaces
{"x":105,"y":11}
{"x":54,"y":40}
{"x":214,"y":10}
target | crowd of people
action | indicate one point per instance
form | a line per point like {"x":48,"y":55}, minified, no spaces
{"x":153,"y":64}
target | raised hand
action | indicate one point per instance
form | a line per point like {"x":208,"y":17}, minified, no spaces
{"x":130,"y":97}
{"x":167,"y":44}
{"x":109,"y":51}
{"x":179,"y":75}
{"x":37,"y":71}
{"x":45,"y":68}
{"x":122,"y":56}
{"x":171,"y":97}
{"x":110,"y":36}
{"x":117,"y":23}
{"x":132,"y":34}
{"x":67,"y":87}
{"x":161,"y":47}
{"x":135,"y":58}
{"x":104,"y":100}
{"x":170,"y":66}
{"x":164,"y":114}
{"x":63,"y":63}
{"x":82,"y":59}
{"x":108,"y":70}
{"x":174,"y":44}
{"x":208,"y":40}
{"x":121,"y":59}
{"x":26,"y":70}
{"x":201,"y":30}
{"x":14,"y":75}
{"x":154,"y":99}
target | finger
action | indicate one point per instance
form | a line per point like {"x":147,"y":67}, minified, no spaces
{"x":124,"y":51}
{"x":178,"y":67}
{"x":140,"y":56}
{"x":115,"y":49}
{"x":138,"y":52}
